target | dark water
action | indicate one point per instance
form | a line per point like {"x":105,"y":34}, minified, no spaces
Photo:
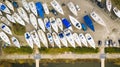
{"x":77,"y":64}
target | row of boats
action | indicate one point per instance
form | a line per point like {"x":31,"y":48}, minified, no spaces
{"x":115,"y":9}
{"x":60,"y":39}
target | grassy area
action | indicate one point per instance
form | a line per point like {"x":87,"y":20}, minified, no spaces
{"x":116,"y":3}
{"x":112,"y":50}
{"x":18,"y":29}
{"x":13,"y":50}
{"x":77,"y":50}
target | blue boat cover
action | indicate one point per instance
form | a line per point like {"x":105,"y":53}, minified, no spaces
{"x":27,"y":36}
{"x":89,"y":22}
{"x":15,"y":4}
{"x":47,"y":24}
{"x":3,"y":26}
{"x":84,"y":27}
{"x":61,"y":35}
{"x":66,"y":23}
{"x":40,"y":10}
{"x":2,"y":7}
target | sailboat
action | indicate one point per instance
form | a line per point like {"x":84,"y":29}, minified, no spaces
{"x":33,"y":8}
{"x":75,"y":22}
{"x":45,"y":7}
{"x":40,"y":9}
{"x":25,"y":6}
{"x":69,"y":37}
{"x":5,"y":28}
{"x":97,"y":18}
{"x":63,"y":39}
{"x":116,"y":11}
{"x":109,"y":5}
{"x":33,"y":20}
{"x":54,"y":24}
{"x":47,"y":25}
{"x":10,"y":18}
{"x":83,"y":39}
{"x":57,"y":6}
{"x":15,"y":42}
{"x":72,"y":8}
{"x":77,"y":39}
{"x":90,"y":40}
{"x":4,"y":37}
{"x":56,"y":39}
{"x":4,"y":8}
{"x":41,"y":24}
{"x":28,"y":39}
{"x":23,"y":14}
{"x":50,"y":39}
{"x":42,"y":37}
{"x":9,"y":5}
{"x":67,"y":24}
{"x":59,"y":23}
{"x":89,"y":22}
{"x":4,"y":20}
{"x":35,"y":38}
{"x":18,"y":19}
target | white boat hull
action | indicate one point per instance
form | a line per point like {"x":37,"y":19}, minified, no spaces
{"x":59,"y":23}
{"x":50,"y":39}
{"x":45,"y":8}
{"x":48,"y":28}
{"x":41,"y":24}
{"x":4,"y":20}
{"x":77,"y":39}
{"x":26,"y":6}
{"x":6,"y":10}
{"x":116,"y":11}
{"x":33,"y":20}
{"x":109,"y":5}
{"x":33,"y":8}
{"x":54,"y":24}
{"x":15,"y":42}
{"x":83,"y":39}
{"x":9,"y":5}
{"x":4,"y":37}
{"x":10,"y":18}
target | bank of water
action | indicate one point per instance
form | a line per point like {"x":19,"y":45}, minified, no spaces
{"x":59,"y":63}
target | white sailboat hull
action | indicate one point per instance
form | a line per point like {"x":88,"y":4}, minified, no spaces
{"x":41,"y":24}
{"x":9,"y":5}
{"x":10,"y":18}
{"x":48,"y":28}
{"x":6,"y":10}
{"x":33,"y":20}
{"x":116,"y":11}
{"x":77,"y":39}
{"x":54,"y":24}
{"x":50,"y":39}
{"x":4,"y":37}
{"x":109,"y":5}
{"x":83,"y":39}
{"x":4,"y":20}
{"x":26,"y":6}
{"x":45,"y":8}
{"x":15,"y":42}
{"x":59,"y":23}
{"x":33,"y":8}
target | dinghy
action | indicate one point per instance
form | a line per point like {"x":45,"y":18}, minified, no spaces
{"x":83,"y":39}
{"x":42,"y":37}
{"x":57,"y":6}
{"x":69,"y":37}
{"x":47,"y":24}
{"x":10,"y":18}
{"x":72,"y":8}
{"x":54,"y":24}
{"x":84,"y":27}
{"x":5,"y":28}
{"x":45,"y":7}
{"x":77,"y":39}
{"x":25,"y":6}
{"x":23,"y":14}
{"x":4,"y":8}
{"x":4,"y":20}
{"x":40,"y":9}
{"x":15,"y":42}
{"x":18,"y":19}
{"x":89,"y":22}
{"x":109,"y":5}
{"x":90,"y":40}
{"x":97,"y":18}
{"x":63,"y":39}
{"x":56,"y":39}
{"x":9,"y":5}
{"x":41,"y":24}
{"x":33,"y":8}
{"x":59,"y":23}
{"x":33,"y":20}
{"x":50,"y":39}
{"x":28,"y":39}
{"x":67,"y":24}
{"x":116,"y":11}
{"x":35,"y":38}
{"x":4,"y":37}
{"x":75,"y":22}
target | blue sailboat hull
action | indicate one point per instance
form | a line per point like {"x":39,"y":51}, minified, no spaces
{"x":39,"y":8}
{"x":66,"y":23}
{"x":89,"y":22}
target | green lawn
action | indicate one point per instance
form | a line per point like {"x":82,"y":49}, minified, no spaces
{"x":22,"y":50}
{"x":18,"y":29}
{"x":77,"y":50}
{"x":112,"y":50}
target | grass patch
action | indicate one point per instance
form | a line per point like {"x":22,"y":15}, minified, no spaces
{"x":18,"y":29}
{"x":22,"y":50}
{"x":116,"y":3}
{"x":112,"y":50}
{"x":77,"y":50}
